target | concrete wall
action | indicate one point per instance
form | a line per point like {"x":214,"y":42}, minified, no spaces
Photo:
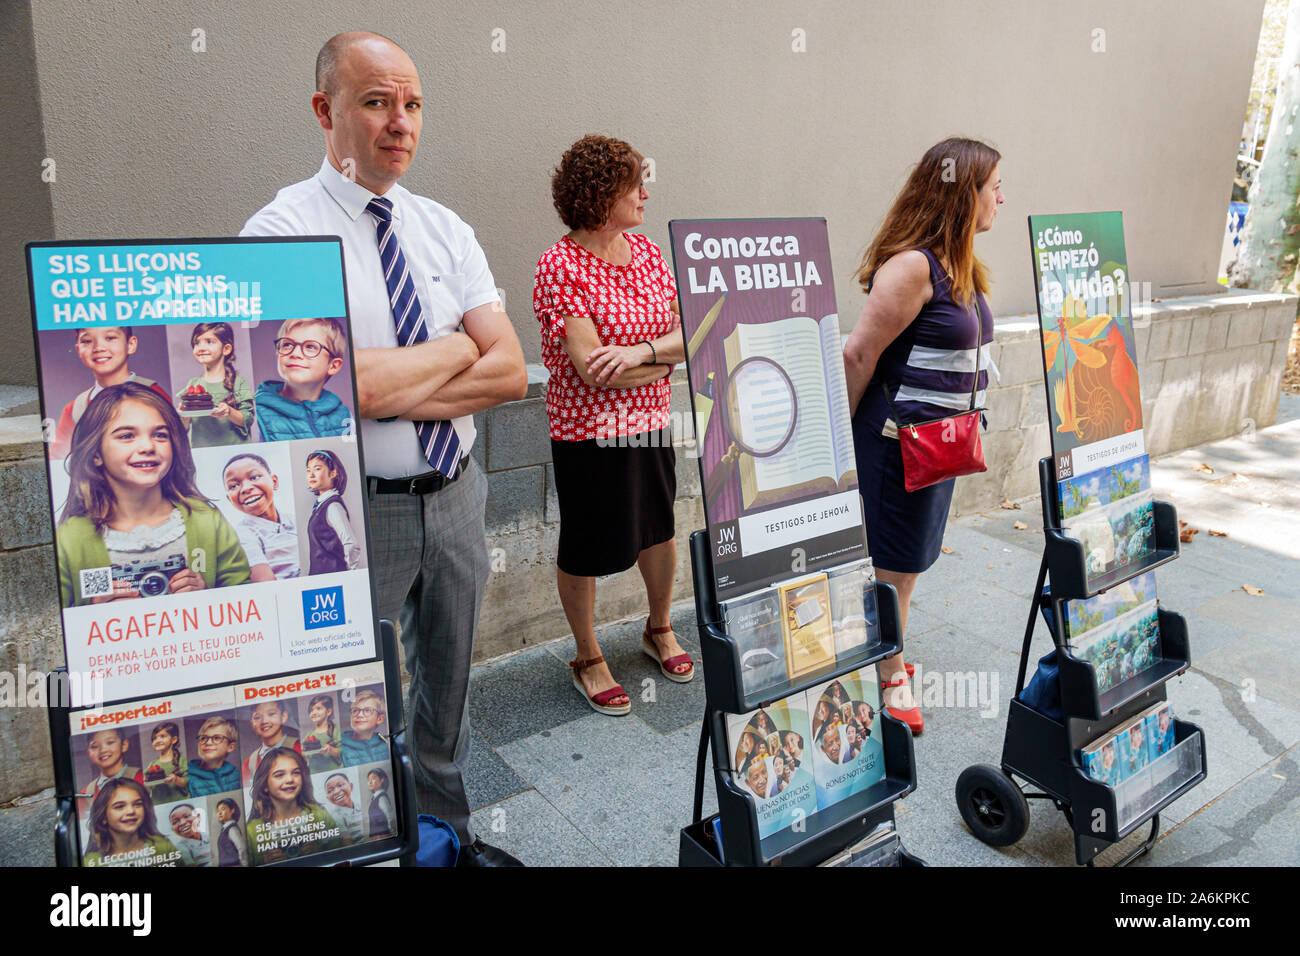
{"x":153,"y":138}
{"x":29,"y":211}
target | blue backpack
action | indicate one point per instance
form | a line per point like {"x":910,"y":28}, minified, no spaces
{"x":1043,"y":692}
{"x":439,"y":845}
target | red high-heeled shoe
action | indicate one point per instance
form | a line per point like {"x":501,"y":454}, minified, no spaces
{"x":912,"y":717}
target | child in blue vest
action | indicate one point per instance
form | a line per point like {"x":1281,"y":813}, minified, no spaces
{"x":210,"y":771}
{"x":363,"y":743}
{"x":309,"y":352}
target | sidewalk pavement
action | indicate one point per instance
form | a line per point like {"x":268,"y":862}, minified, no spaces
{"x":558,"y":784}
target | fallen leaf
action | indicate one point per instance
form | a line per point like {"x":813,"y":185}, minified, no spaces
{"x":1252,"y":591}
{"x":990,"y":567}
{"x":1020,"y":526}
{"x":1203,"y":467}
{"x":1009,"y":505}
{"x":947,"y":550}
{"x":1187,"y":533}
{"x":1218,"y":534}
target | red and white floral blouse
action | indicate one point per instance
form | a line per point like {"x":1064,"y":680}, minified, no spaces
{"x":627,"y":304}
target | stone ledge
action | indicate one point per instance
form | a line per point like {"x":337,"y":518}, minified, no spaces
{"x":18,"y":400}
{"x":20,"y":437}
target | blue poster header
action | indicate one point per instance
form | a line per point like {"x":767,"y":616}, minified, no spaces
{"x":164,"y":283}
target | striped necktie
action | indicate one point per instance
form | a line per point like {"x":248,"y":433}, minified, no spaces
{"x":438,"y":439}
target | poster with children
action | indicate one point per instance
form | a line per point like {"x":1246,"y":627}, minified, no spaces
{"x":204,"y":463}
{"x":237,"y":776}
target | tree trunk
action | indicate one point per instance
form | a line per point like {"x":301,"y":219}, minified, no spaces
{"x":1270,"y":240}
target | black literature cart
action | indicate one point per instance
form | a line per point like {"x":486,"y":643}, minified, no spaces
{"x":825,"y":834}
{"x":1044,"y":751}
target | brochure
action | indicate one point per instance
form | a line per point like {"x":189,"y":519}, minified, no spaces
{"x":754,"y":623}
{"x":769,"y":752}
{"x":847,"y":753}
{"x":806,"y":623}
{"x":853,"y":608}
{"x":222,"y":777}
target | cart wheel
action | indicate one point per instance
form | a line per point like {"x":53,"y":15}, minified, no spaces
{"x":992,"y":805}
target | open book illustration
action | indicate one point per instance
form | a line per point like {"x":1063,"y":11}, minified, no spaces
{"x":818,"y":458}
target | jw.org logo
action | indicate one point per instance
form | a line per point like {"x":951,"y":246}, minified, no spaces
{"x":322,"y":607}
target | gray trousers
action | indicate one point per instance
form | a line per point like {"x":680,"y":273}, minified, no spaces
{"x":430,"y":568}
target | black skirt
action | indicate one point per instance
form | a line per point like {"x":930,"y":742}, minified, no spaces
{"x":904,"y":528}
{"x":616,"y":500}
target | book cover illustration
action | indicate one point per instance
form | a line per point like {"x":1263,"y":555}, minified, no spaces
{"x":853,"y":608}
{"x":1160,"y":730}
{"x":847,"y":753}
{"x":1089,"y":352}
{"x":1131,"y":748}
{"x":806,"y":620}
{"x":1100,"y":762}
{"x":1110,"y":512}
{"x":1082,"y":616}
{"x":765,"y":362}
{"x":768,"y":748}
{"x":1123,"y":648}
{"x":754,"y":623}
{"x":818,"y":456}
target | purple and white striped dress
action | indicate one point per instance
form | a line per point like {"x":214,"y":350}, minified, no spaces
{"x":929,"y":368}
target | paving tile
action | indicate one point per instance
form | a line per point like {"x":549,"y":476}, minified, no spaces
{"x":1257,"y":823}
{"x":27,"y":833}
{"x":520,"y":695}
{"x":489,"y":779}
{"x":662,"y":704}
{"x":625,"y":787}
{"x":528,"y":827}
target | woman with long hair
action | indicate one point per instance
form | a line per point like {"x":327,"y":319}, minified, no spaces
{"x":133,"y":506}
{"x":283,"y":805}
{"x":122,"y":826}
{"x":917,"y":350}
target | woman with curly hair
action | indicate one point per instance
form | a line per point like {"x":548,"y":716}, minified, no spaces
{"x":918,"y":350}
{"x":611,"y":333}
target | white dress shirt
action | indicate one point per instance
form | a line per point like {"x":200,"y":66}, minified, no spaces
{"x":274,"y":543}
{"x":449,"y":268}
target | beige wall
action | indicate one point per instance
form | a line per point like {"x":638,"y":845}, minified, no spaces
{"x":28,"y":215}
{"x":153,"y":139}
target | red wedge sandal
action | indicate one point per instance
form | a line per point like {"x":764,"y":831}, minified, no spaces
{"x":668,"y":666}
{"x":600,"y":701}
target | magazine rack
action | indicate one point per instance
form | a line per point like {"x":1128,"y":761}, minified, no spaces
{"x":1045,"y":751}
{"x":401,"y":847}
{"x":825,"y":833}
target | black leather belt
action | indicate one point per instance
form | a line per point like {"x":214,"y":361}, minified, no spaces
{"x":425,"y":484}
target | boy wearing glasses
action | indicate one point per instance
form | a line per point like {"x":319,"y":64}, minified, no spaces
{"x":362,"y":744}
{"x":308,"y":353}
{"x":211,"y":772}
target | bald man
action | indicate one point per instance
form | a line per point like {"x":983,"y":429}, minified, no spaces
{"x":433,"y":346}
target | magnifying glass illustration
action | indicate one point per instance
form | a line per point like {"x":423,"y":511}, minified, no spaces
{"x":759,"y":410}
